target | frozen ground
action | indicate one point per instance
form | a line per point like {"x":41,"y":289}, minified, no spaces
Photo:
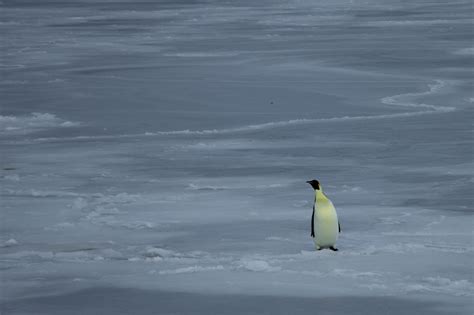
{"x":154,"y":157}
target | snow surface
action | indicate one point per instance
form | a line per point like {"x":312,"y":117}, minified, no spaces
{"x":154,"y":156}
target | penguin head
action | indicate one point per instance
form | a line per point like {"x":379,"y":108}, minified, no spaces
{"x":315,"y":184}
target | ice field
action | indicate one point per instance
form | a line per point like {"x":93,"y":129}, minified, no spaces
{"x":154,"y":156}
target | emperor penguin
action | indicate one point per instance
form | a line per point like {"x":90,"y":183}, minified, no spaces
{"x":325,"y":227}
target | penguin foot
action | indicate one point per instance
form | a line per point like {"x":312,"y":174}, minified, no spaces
{"x":333,"y":248}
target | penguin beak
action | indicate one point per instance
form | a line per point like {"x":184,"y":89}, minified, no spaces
{"x":309,"y":182}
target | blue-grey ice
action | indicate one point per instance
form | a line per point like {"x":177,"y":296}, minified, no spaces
{"x":154,"y":156}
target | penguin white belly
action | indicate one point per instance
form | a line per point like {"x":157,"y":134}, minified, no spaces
{"x":326,"y":225}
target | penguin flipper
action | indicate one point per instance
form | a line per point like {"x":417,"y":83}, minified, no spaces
{"x":312,"y":224}
{"x":339,"y":224}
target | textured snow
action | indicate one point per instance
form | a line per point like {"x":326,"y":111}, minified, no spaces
{"x":32,"y":123}
{"x":256,"y":265}
{"x":154,"y":156}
